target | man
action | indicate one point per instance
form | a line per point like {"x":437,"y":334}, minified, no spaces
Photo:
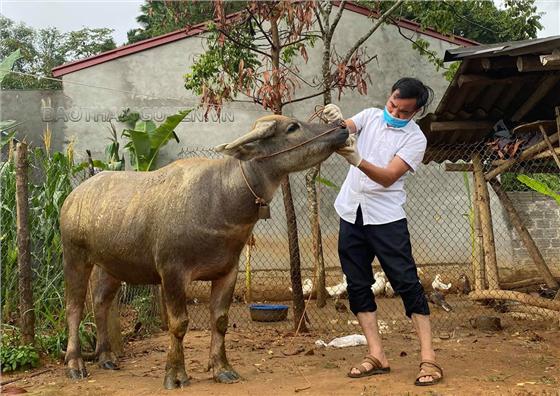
{"x":383,"y":146}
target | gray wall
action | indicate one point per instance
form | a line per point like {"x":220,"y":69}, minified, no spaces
{"x":152,"y":82}
{"x":27,"y":107}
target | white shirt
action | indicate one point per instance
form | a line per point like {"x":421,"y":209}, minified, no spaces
{"x":378,"y":144}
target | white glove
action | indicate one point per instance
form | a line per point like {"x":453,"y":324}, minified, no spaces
{"x":332,"y":113}
{"x":350,"y":151}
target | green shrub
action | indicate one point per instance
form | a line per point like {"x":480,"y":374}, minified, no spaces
{"x":14,"y":356}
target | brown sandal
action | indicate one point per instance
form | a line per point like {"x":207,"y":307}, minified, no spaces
{"x":377,"y":368}
{"x":429,"y":368}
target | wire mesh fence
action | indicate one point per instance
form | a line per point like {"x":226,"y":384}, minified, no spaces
{"x":470,"y":255}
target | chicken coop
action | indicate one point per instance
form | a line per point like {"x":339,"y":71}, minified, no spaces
{"x":499,"y":124}
{"x":483,"y":211}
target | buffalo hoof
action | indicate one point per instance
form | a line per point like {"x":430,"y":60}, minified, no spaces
{"x":109,"y":365}
{"x":175,"y":379}
{"x":227,"y":377}
{"x":76,"y":374}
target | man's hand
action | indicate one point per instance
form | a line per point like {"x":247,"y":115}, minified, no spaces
{"x":350,"y":152}
{"x":332,"y":113}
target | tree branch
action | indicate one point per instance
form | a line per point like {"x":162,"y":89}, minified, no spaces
{"x":318,"y":10}
{"x":249,"y":47}
{"x":372,"y":30}
{"x":261,"y":28}
{"x":337,"y":17}
{"x":305,"y":97}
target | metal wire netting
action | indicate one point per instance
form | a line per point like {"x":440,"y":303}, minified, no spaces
{"x":454,"y":235}
{"x":448,"y":246}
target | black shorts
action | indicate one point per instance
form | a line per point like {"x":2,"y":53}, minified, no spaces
{"x":359,"y":244}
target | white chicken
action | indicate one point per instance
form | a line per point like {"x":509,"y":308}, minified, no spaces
{"x":438,"y":284}
{"x":378,"y":287}
{"x":307,"y":286}
{"x":337,"y":290}
{"x":389,"y":292}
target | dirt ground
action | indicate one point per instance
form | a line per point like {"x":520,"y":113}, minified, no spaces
{"x":520,"y":362}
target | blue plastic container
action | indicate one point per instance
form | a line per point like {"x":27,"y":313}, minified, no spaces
{"x":268,"y":312}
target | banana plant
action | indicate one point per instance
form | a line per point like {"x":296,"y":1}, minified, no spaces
{"x":146,"y":140}
{"x":8,"y":63}
{"x":539,"y":187}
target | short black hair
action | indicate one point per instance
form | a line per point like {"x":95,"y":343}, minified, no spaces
{"x":413,"y":88}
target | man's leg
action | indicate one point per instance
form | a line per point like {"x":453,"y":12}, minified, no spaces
{"x":368,"y":322}
{"x":424,"y":330}
{"x":355,"y":258}
{"x":391,"y":243}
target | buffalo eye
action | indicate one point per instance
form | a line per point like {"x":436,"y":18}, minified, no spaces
{"x":292,"y":127}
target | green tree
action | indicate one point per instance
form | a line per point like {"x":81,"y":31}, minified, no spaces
{"x":478,"y":20}
{"x":158,"y":17}
{"x":43,"y":49}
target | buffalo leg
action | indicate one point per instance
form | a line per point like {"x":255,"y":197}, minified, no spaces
{"x":220,"y":300}
{"x":77,"y":270}
{"x":177,"y":315}
{"x":104,"y":293}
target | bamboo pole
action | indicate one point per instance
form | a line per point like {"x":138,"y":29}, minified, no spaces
{"x":27,"y":314}
{"x":248,"y":270}
{"x":524,"y":234}
{"x":515,"y":296}
{"x":543,"y":312}
{"x":485,"y":213}
{"x":526,"y":154}
{"x":525,"y":283}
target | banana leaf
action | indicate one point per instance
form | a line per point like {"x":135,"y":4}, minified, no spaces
{"x":539,"y":187}
{"x":8,"y":63}
{"x":146,"y":140}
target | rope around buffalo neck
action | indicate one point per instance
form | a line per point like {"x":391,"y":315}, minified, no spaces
{"x":258,"y":200}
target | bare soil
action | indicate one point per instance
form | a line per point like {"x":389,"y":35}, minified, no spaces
{"x":520,"y":362}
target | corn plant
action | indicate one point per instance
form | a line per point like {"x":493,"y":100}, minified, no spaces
{"x":51,"y":180}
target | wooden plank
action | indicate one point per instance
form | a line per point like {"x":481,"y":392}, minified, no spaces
{"x":482,"y":79}
{"x":546,"y":84}
{"x":524,"y":234}
{"x":498,"y":63}
{"x":489,"y":245}
{"x":444,"y":126}
{"x":527,"y":64}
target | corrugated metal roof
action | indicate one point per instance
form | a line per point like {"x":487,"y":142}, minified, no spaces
{"x":504,"y":81}
{"x":510,"y":48}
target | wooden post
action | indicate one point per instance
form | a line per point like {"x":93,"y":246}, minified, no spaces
{"x":27,"y":314}
{"x":524,"y":234}
{"x":485,"y":212}
{"x":319,"y":281}
{"x":478,"y":253}
{"x":549,"y":144}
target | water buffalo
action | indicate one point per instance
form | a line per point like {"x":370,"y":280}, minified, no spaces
{"x":186,"y":221}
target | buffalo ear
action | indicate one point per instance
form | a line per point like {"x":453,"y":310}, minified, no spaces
{"x":246,"y":147}
{"x":244,"y":153}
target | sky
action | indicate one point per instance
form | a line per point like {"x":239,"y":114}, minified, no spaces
{"x":120,"y":15}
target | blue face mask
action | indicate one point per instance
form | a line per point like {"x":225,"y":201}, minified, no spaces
{"x":392,"y":121}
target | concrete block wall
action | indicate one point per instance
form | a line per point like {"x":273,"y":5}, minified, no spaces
{"x":541,"y":216}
